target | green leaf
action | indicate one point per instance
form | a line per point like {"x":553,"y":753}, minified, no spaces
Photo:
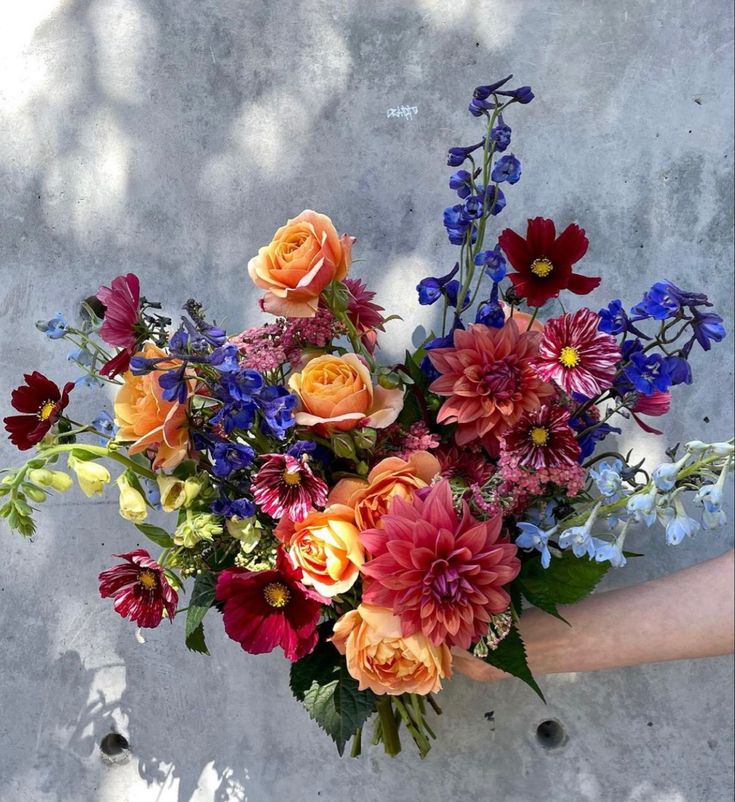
{"x":330,"y":695}
{"x":159,"y":536}
{"x":202,"y":598}
{"x":195,"y":641}
{"x":567,"y":580}
{"x":510,"y":656}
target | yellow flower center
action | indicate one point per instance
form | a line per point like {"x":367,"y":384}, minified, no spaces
{"x":539,"y":436}
{"x":292,"y":477}
{"x":541,"y":267}
{"x":276,"y":594}
{"x":147,"y":579}
{"x":569,"y":356}
{"x":44,"y":413}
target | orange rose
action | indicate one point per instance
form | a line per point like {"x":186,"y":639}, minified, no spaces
{"x":337,"y":394}
{"x":326,"y":546}
{"x":390,"y":478}
{"x":381,"y":659}
{"x":304,"y":256}
{"x":147,"y":420}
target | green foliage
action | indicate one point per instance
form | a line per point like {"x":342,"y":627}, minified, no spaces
{"x":195,"y":641}
{"x":202,"y":598}
{"x":567,"y":580}
{"x":154,"y":533}
{"x":510,"y":656}
{"x":330,"y":695}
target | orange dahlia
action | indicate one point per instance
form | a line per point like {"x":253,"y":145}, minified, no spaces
{"x":487,"y":379}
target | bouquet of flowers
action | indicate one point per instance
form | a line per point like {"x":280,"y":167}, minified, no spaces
{"x":383,"y":524}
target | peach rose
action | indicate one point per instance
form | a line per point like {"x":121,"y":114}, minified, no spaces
{"x":381,"y":659}
{"x":337,"y":394}
{"x":326,"y":547}
{"x":147,"y":420}
{"x":304,"y":256}
{"x":392,"y":477}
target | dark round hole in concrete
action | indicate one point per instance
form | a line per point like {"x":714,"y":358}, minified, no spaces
{"x":114,"y":744}
{"x":550,"y":734}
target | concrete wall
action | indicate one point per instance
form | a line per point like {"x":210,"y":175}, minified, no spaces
{"x":171,"y":138}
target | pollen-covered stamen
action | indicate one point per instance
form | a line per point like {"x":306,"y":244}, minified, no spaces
{"x":569,"y":356}
{"x":147,"y":579}
{"x":539,"y":435}
{"x":292,"y":475}
{"x":542,"y":267}
{"x":276,"y":594}
{"x":46,"y":410}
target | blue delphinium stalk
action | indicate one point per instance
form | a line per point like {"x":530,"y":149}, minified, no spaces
{"x":608,"y":478}
{"x":105,"y":425}
{"x":55,"y":328}
{"x":507,"y":168}
{"x":642,"y":506}
{"x":579,"y":538}
{"x":532,"y":537}
{"x":677,"y":523}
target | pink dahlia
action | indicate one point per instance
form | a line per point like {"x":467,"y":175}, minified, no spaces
{"x":543,"y":439}
{"x":265,"y":609}
{"x":121,"y":319}
{"x":575,"y":355}
{"x":655,"y":405}
{"x":287,"y":486}
{"x":470,"y":464}
{"x":441,"y":574}
{"x":487,"y":379}
{"x":365,"y":315}
{"x":140,"y":589}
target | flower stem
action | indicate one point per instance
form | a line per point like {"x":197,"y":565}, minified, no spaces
{"x":389,"y":730}
{"x":98,"y":451}
{"x":357,"y":743}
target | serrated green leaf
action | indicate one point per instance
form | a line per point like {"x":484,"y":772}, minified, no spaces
{"x":567,"y":580}
{"x":330,"y":695}
{"x":154,"y":533}
{"x":195,"y":641}
{"x":510,"y":656}
{"x":202,"y":598}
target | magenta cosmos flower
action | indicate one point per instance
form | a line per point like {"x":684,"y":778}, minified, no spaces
{"x":140,"y":589}
{"x":265,"y":609}
{"x":487,"y":379}
{"x":287,"y":486}
{"x":441,"y":574}
{"x":41,"y":402}
{"x":543,"y":439}
{"x":575,"y":355}
{"x":121,"y":319}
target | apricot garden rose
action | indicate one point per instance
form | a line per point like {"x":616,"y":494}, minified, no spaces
{"x":304,"y":256}
{"x":337,"y":394}
{"x":392,"y":477}
{"x":326,"y":547}
{"x":381,"y":659}
{"x":147,"y":420}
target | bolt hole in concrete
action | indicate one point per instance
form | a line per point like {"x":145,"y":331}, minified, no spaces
{"x":551,"y":734}
{"x":115,"y":748}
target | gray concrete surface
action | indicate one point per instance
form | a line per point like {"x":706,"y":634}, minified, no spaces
{"x":171,"y":138}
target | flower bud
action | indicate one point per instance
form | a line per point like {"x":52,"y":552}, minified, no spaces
{"x":247,"y":530}
{"x":194,"y":528}
{"x":192,"y":488}
{"x":343,"y":445}
{"x":58,"y":480}
{"x":365,"y":438}
{"x":132,"y":502}
{"x":92,"y":476}
{"x":34,"y":493}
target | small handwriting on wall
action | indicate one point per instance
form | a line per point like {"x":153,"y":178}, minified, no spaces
{"x":406,"y":112}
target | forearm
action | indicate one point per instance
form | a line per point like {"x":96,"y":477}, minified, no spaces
{"x":684,"y":615}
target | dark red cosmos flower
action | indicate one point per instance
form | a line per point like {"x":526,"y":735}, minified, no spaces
{"x":265,"y":609}
{"x":41,"y":401}
{"x":140,"y":589}
{"x":122,"y":315}
{"x":544,"y":261}
{"x":543,"y":439}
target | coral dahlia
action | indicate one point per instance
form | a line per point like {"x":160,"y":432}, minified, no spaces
{"x":442,"y":574}
{"x":576,"y":355}
{"x":543,"y":439}
{"x":543,"y":262}
{"x":488,"y":380}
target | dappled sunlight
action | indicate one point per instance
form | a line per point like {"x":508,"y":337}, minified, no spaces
{"x":126,"y":39}
{"x":85,"y":190}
